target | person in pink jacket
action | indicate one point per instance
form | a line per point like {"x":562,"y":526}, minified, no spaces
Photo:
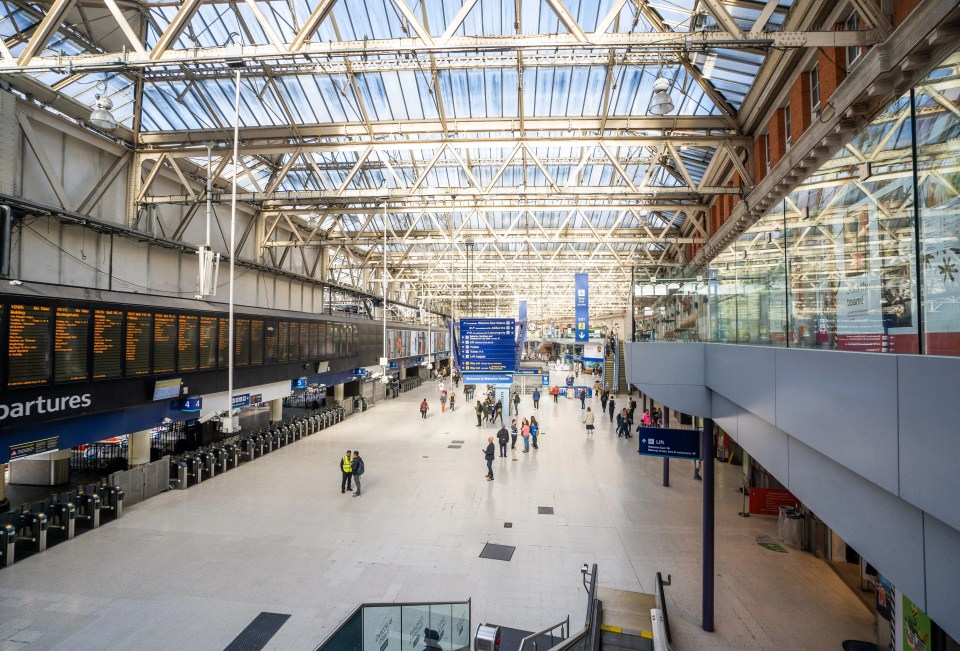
{"x":525,"y":433}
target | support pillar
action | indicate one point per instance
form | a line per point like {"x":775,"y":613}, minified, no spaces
{"x":138,"y":448}
{"x":666,"y":460}
{"x":403,"y":372}
{"x":706,"y":452}
{"x":4,"y":502}
{"x":338,"y":394}
{"x":276,"y":410}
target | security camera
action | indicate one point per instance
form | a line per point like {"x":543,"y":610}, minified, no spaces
{"x":167,"y":421}
{"x":199,"y":297}
{"x":16,"y":283}
{"x":584,"y":569}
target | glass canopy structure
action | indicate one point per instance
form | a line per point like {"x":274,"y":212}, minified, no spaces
{"x":516,"y":138}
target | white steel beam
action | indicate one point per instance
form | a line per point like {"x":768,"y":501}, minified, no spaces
{"x":45,"y":30}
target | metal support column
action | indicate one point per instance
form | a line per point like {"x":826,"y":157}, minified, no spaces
{"x":666,"y":460}
{"x":706,"y":452}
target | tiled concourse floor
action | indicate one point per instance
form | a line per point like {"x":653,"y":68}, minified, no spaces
{"x":190,"y":569}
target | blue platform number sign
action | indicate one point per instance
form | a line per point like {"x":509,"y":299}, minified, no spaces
{"x":545,"y":380}
{"x":191,"y":404}
{"x":665,"y":442}
{"x":581,"y":306}
{"x":298,"y":383}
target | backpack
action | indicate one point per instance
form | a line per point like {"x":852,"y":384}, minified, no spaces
{"x":360,"y":467}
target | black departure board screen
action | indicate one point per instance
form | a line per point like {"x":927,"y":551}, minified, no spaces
{"x":294,"y":341}
{"x":71,"y":335}
{"x":241,"y":342}
{"x":139,"y":333}
{"x":270,"y":342}
{"x":321,"y":340}
{"x":223,"y":347}
{"x":304,"y":340}
{"x":314,"y":348}
{"x":164,"y":342}
{"x":28,"y":346}
{"x":187,"y":343}
{"x":107,"y":344}
{"x":208,"y":342}
{"x":256,"y":342}
{"x":283,"y":336}
{"x":330,"y":351}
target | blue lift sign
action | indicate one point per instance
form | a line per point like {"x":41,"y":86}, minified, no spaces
{"x":675,"y":443}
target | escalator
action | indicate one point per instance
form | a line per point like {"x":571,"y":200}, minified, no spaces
{"x":623,"y":387}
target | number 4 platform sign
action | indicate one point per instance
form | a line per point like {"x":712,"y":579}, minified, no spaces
{"x":674,"y":443}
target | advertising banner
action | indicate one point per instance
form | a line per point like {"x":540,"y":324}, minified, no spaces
{"x":581,"y":305}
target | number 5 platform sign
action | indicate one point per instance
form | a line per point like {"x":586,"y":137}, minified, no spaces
{"x":674,"y":443}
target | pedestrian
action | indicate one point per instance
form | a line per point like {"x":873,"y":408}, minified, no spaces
{"x":525,"y":434}
{"x":424,"y":408}
{"x":604,"y":396}
{"x":555,"y":392}
{"x":619,"y":425}
{"x":346,"y":469}
{"x":612,"y":406}
{"x":513,"y":434}
{"x":456,"y":381}
{"x":502,"y":437}
{"x":491,"y":411}
{"x":588,"y":420}
{"x":534,"y":430}
{"x":536,"y":399}
{"x":443,"y":401}
{"x":633,"y":408}
{"x":440,"y":387}
{"x":453,"y":400}
{"x":645,"y":420}
{"x":479,"y":410}
{"x":583,"y":398}
{"x":499,"y":411}
{"x":516,"y":404}
{"x":356,"y":466}
{"x":488,"y":455}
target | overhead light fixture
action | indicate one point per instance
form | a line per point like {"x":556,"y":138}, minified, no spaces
{"x":661,"y":103}
{"x":101,"y":117}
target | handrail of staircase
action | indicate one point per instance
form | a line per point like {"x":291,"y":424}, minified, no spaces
{"x":662,"y":605}
{"x":563,"y":625}
{"x":587,"y":638}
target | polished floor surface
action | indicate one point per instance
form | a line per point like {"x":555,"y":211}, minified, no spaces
{"x":191,"y":569}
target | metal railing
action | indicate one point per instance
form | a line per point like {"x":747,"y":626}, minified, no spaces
{"x":535,"y":641}
{"x":587,"y":638}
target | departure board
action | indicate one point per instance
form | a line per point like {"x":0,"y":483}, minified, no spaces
{"x":164,"y":342}
{"x":208,"y":342}
{"x":304,"y":340}
{"x":270,"y":342}
{"x":283,"y":336}
{"x":139,"y":333}
{"x":314,"y":347}
{"x":71,"y":334}
{"x":241,"y":342}
{"x":28,"y":346}
{"x":256,"y":342}
{"x":187,"y":343}
{"x":294,"y":342}
{"x":107,"y":344}
{"x":223,"y":347}
{"x":321,"y":340}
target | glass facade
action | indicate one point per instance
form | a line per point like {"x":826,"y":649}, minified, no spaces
{"x":863,"y":256}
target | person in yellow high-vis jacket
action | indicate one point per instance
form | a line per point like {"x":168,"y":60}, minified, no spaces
{"x":346,"y":468}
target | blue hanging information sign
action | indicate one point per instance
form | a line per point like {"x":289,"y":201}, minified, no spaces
{"x":487,"y":345}
{"x":581,"y":305}
{"x":665,"y":442}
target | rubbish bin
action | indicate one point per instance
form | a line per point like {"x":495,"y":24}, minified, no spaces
{"x":487,"y":638}
{"x":790,"y":526}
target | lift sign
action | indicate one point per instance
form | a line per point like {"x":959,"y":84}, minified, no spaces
{"x":675,"y":443}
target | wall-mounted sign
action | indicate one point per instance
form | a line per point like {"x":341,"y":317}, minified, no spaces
{"x":298,"y":383}
{"x":256,"y":398}
{"x":21,"y":450}
{"x":242,"y":400}
{"x":190,"y":404}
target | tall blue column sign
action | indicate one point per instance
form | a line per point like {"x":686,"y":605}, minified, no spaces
{"x":581,"y":306}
